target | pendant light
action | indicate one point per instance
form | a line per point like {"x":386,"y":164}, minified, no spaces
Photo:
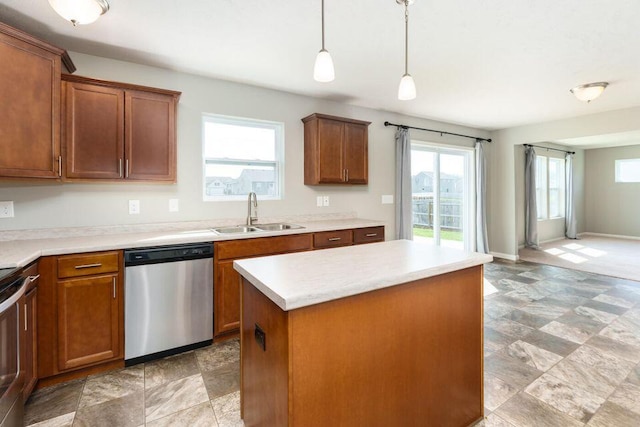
{"x":407,"y":88}
{"x":323,"y":68}
{"x":80,"y":11}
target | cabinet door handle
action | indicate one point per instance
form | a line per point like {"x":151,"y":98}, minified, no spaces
{"x":114,"y":288}
{"x":26,"y":318}
{"x":371,"y":235}
{"x":59,"y":165}
{"x":120,"y":168}
{"x":334,"y":239}
{"x":33,"y":278}
{"x":126,"y":168}
{"x":347,"y":175}
{"x":80,"y":267}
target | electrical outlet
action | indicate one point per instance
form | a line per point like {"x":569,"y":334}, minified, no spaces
{"x":319,"y":200}
{"x":134,"y":207}
{"x":174,"y":205}
{"x":387,"y":199}
{"x":325,"y":201}
{"x":6,"y":209}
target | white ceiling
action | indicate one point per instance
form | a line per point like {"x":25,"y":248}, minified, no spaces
{"x":489,"y":64}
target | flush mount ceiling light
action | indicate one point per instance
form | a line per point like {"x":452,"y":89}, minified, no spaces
{"x":323,"y":68}
{"x":80,"y":11}
{"x":407,"y":88}
{"x":589,"y":92}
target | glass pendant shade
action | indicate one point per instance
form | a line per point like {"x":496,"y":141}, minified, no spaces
{"x":407,"y":89}
{"x":80,"y":11}
{"x":589,"y":92}
{"x":323,"y":69}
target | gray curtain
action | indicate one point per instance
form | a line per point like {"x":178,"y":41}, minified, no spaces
{"x":404,"y":220}
{"x":482,"y":244}
{"x":570,"y":225}
{"x":531,"y":210}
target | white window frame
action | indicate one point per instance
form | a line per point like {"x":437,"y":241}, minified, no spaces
{"x":619,"y":163}
{"x":546,"y":189}
{"x":278,"y":163}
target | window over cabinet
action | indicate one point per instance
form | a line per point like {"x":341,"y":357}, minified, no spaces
{"x":550,"y":187}
{"x":628,"y":170}
{"x":242,"y":156}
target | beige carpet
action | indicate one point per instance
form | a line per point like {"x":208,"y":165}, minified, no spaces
{"x":595,"y":254}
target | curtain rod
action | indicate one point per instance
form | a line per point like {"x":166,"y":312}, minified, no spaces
{"x":441,"y":132}
{"x":548,"y":148}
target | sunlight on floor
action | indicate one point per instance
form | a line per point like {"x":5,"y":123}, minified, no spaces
{"x":488,"y":288}
{"x":574,"y":257}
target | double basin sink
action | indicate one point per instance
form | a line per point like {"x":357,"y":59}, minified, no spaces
{"x":256,"y":228}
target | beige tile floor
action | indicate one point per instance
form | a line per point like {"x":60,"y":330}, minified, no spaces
{"x":562,"y":348}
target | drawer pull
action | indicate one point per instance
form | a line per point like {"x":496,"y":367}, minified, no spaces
{"x":80,"y":267}
{"x":334,"y":239}
{"x":33,"y":278}
{"x":26,"y":318}
{"x":371,"y":235}
{"x":114,"y":288}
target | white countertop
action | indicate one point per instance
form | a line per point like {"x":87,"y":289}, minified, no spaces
{"x":307,"y":278}
{"x":19,"y":253}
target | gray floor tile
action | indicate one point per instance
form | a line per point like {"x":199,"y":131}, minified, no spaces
{"x":222,"y":380}
{"x":604,"y":306}
{"x":528,"y":319}
{"x":127,"y":411}
{"x":533,"y":356}
{"x":551,"y":343}
{"x":197,"y":416}
{"x":227,"y":410}
{"x":510,"y":369}
{"x":524,"y":410}
{"x":53,"y":401}
{"x":612,"y":415}
{"x":496,"y":391}
{"x":567,"y":332}
{"x":219,"y":354}
{"x":170,"y":369}
{"x":174,"y":396}
{"x":65,"y":420}
{"x":617,"y":348}
{"x":509,"y":327}
{"x":112,"y":385}
{"x":627,"y":395}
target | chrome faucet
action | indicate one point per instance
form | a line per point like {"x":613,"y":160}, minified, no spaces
{"x":252,"y":218}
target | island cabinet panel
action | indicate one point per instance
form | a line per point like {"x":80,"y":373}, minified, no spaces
{"x":340,"y":362}
{"x":335,"y":150}
{"x":226,"y":311}
{"x":30,"y":107}
{"x":80,"y":315}
{"x":117,"y":131}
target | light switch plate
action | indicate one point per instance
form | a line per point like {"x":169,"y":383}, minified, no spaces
{"x":325,"y":201}
{"x":387,"y":199}
{"x":6,"y":209}
{"x":134,"y":207}
{"x":174,"y":205}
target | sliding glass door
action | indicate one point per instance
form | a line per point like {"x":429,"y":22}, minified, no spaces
{"x":442,"y":204}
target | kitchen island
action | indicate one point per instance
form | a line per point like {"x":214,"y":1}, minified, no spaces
{"x":383,"y":334}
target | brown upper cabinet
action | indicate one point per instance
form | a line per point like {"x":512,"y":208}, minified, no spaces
{"x":335,"y":150}
{"x":118,"y":131}
{"x":30,"y":105}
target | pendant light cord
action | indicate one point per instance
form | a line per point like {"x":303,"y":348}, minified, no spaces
{"x":406,"y":36}
{"x":322,"y":24}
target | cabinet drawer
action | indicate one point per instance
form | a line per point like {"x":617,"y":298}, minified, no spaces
{"x":368,"y":235}
{"x":87,"y":264}
{"x":245,"y":248}
{"x":329,"y":239}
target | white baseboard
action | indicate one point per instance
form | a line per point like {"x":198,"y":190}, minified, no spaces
{"x":505,"y":256}
{"x":613,"y":236}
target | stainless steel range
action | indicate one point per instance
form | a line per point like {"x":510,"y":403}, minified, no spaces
{"x":12,"y":289}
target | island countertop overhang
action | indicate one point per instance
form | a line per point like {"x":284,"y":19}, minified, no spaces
{"x":302,"y":279}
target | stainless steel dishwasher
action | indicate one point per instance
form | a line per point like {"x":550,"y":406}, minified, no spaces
{"x":168,"y":300}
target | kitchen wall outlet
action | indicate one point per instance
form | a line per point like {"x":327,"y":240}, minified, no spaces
{"x":174,"y":205}
{"x":319,"y":200}
{"x":6,"y":209}
{"x":134,"y":207}
{"x":325,"y":201}
{"x":387,"y":199}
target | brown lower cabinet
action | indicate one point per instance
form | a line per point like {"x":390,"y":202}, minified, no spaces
{"x":226,"y":307}
{"x":80,"y":313}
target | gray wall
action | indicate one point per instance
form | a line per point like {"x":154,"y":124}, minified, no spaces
{"x":505,"y":187}
{"x":42,"y":205}
{"x":611,"y":207}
